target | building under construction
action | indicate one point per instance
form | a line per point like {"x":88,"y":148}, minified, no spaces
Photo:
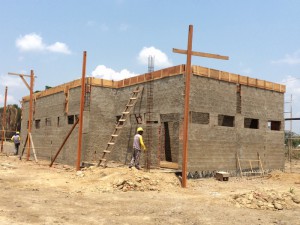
{"x":233,"y":119}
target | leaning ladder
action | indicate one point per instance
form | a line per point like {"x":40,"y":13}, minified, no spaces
{"x":260,"y":166}
{"x":121,"y":122}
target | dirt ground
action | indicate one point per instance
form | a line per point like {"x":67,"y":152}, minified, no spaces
{"x":34,"y":193}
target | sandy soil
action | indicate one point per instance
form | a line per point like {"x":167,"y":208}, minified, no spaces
{"x":33,"y":193}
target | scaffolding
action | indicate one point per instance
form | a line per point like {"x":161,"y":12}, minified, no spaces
{"x":149,"y":113}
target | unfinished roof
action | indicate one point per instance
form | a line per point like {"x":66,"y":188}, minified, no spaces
{"x":167,"y":72}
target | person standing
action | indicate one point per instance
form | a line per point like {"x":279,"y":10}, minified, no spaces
{"x":138,"y":145}
{"x":16,"y":139}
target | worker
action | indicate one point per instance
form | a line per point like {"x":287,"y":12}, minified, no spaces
{"x":138,"y":145}
{"x":16,"y":139}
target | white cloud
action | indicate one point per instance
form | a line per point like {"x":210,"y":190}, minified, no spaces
{"x":59,"y":47}
{"x":160,"y":58}
{"x":290,"y":59}
{"x":30,"y":42}
{"x":34,"y":42}
{"x":106,"y":73}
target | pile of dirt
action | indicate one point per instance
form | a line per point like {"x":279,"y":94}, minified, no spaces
{"x":266,"y":200}
{"x":125,"y":179}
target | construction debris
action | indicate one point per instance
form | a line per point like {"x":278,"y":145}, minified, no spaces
{"x":266,"y":200}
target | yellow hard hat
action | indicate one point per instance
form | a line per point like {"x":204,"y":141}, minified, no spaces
{"x":139,"y":129}
{"x":17,"y":132}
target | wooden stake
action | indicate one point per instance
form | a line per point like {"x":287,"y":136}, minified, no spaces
{"x":4,"y":119}
{"x":81,"y":112}
{"x":30,"y":112}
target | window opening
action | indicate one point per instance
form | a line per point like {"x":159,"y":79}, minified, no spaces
{"x":138,"y":118}
{"x":226,"y":121}
{"x":274,"y":125}
{"x":71,"y":119}
{"x":251,"y":123}
{"x":168,"y":153}
{"x":37,"y":124}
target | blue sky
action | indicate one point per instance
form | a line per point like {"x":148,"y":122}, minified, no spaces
{"x":260,"y":37}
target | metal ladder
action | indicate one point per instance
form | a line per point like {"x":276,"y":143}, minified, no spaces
{"x":121,"y":122}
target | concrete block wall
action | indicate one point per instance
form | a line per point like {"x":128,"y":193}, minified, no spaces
{"x":214,"y":147}
{"x":49,"y":137}
{"x":211,"y":146}
{"x":168,"y":99}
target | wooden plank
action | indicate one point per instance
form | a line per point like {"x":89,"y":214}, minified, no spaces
{"x":214,"y":74}
{"x":224,"y":76}
{"x":243,"y":80}
{"x":107,"y":83}
{"x":127,"y":82}
{"x":120,"y":83}
{"x":201,"y":54}
{"x":252,"y":82}
{"x":141,"y":78}
{"x":169,"y":165}
{"x":234,"y":78}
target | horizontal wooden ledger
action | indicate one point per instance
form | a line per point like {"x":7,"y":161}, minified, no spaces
{"x":171,"y":71}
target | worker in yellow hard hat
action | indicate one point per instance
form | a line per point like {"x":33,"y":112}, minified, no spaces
{"x":16,"y":139}
{"x":138,"y":145}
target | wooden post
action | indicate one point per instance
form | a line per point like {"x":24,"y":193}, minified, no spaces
{"x":30,"y":112}
{"x":187,"y":106}
{"x":81,"y":112}
{"x":188,"y":71}
{"x":4,"y":119}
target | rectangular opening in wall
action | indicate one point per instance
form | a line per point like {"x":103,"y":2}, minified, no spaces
{"x":58,"y":121}
{"x":274,"y":125}
{"x":251,"y":123}
{"x":138,"y":118}
{"x":71,"y":119}
{"x":226,"y":121}
{"x":167,"y":144}
{"x":151,"y":121}
{"x":238,"y":99}
{"x":37,"y":124}
{"x":199,"y":118}
{"x":48,"y":122}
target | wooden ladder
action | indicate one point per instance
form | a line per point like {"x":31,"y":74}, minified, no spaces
{"x":121,"y":122}
{"x":260,"y":166}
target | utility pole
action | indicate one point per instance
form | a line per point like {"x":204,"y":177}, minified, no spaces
{"x":4,"y":119}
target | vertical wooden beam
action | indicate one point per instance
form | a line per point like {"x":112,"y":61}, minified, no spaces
{"x":30,"y":112}
{"x":4,"y":119}
{"x":81,"y":112}
{"x":187,"y":106}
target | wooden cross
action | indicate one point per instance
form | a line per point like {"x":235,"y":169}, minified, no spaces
{"x":188,"y":70}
